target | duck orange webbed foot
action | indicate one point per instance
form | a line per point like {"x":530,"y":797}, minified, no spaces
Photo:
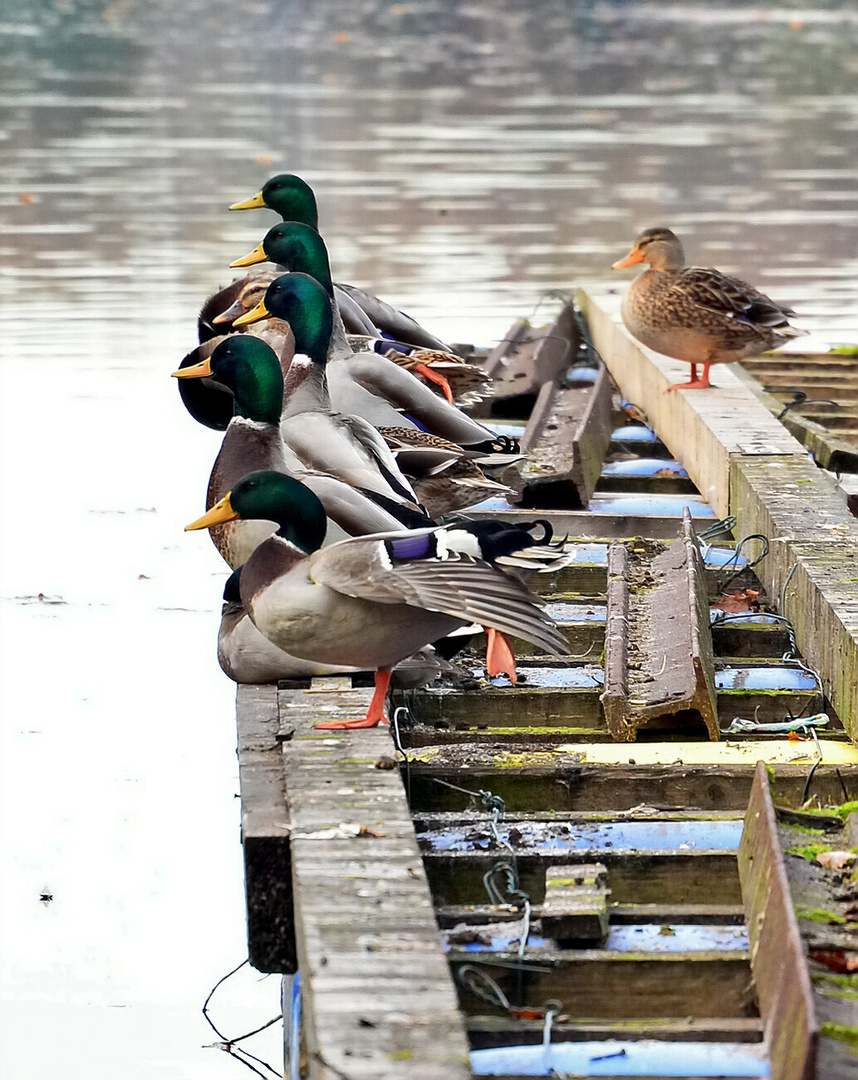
{"x":348,"y":725}
{"x":375,"y":712}
{"x":500,"y":659}
{"x":439,"y":380}
{"x":695,"y":384}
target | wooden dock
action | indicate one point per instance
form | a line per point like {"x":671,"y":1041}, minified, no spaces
{"x":427,"y":880}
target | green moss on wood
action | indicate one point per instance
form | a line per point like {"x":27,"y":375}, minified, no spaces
{"x":818,"y":915}
{"x":847,"y":1033}
{"x":846,"y":982}
{"x":810,"y":852}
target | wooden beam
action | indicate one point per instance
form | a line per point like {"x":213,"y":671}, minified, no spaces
{"x":565,"y":440}
{"x":265,"y":832}
{"x":378,"y":997}
{"x":814,"y":546}
{"x":658,"y":645}
{"x":777,"y":956}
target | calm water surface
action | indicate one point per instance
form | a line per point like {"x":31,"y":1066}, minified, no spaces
{"x":468,"y":159}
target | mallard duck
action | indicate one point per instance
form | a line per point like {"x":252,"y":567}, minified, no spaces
{"x":365,"y":602}
{"x":344,"y":445}
{"x":293,"y":198}
{"x":697,"y":315}
{"x":245,"y":656}
{"x":249,"y":369}
{"x":364,"y":383}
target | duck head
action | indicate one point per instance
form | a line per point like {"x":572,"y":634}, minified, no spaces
{"x":658,"y":247}
{"x":272,"y":496}
{"x":303,"y":303}
{"x":295,"y":246}
{"x":250,"y":370}
{"x":289,"y":195}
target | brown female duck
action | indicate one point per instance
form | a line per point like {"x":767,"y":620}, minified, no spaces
{"x":697,"y":315}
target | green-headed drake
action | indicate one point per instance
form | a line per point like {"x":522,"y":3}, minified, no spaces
{"x":249,"y":369}
{"x":367,"y":383}
{"x":367,"y":602}
{"x":294,"y":200}
{"x":344,"y":445}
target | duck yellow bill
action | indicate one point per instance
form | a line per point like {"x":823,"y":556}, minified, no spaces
{"x":195,"y":371}
{"x":634,"y":256}
{"x":219,"y":513}
{"x":250,"y":204}
{"x":254,"y":315}
{"x":256,"y":256}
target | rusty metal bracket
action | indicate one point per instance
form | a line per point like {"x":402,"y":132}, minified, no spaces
{"x":658,"y":644}
{"x":566,"y":440}
{"x":777,"y":957}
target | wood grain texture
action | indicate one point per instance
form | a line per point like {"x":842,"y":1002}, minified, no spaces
{"x":565,"y":440}
{"x":264,"y":832}
{"x":378,"y":997}
{"x":777,"y":956}
{"x":799,"y":508}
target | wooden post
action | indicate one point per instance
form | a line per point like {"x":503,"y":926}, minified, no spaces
{"x":576,"y":903}
{"x":777,"y":957}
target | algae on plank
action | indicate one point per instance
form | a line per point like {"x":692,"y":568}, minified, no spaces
{"x":818,"y":915}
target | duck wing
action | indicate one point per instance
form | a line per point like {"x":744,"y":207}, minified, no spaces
{"x":395,"y":571}
{"x":388,"y":319}
{"x":384,"y":378}
{"x":730,"y":298}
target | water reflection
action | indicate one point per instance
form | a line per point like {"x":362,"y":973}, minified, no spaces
{"x":467,"y":158}
{"x":497,"y":149}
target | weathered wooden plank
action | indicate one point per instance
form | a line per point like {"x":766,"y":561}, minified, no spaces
{"x":777,"y":957}
{"x":529,"y":357}
{"x":265,"y":832}
{"x":575,"y":905}
{"x":707,"y":914}
{"x":633,"y":877}
{"x":565,"y":440}
{"x":658,"y":646}
{"x":561,"y":780}
{"x":701,"y":429}
{"x":595,"y":525}
{"x":378,"y":998}
{"x":575,"y":708}
{"x":504,"y":1031}
{"x":799,"y":509}
{"x":609,"y":985}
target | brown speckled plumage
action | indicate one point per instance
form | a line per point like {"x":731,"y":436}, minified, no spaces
{"x":694,"y":314}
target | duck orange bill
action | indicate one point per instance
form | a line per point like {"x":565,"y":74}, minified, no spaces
{"x":256,"y":256}
{"x":250,"y":204}
{"x":254,"y":315}
{"x":634,"y":256}
{"x":195,"y":371}
{"x":221,"y":512}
